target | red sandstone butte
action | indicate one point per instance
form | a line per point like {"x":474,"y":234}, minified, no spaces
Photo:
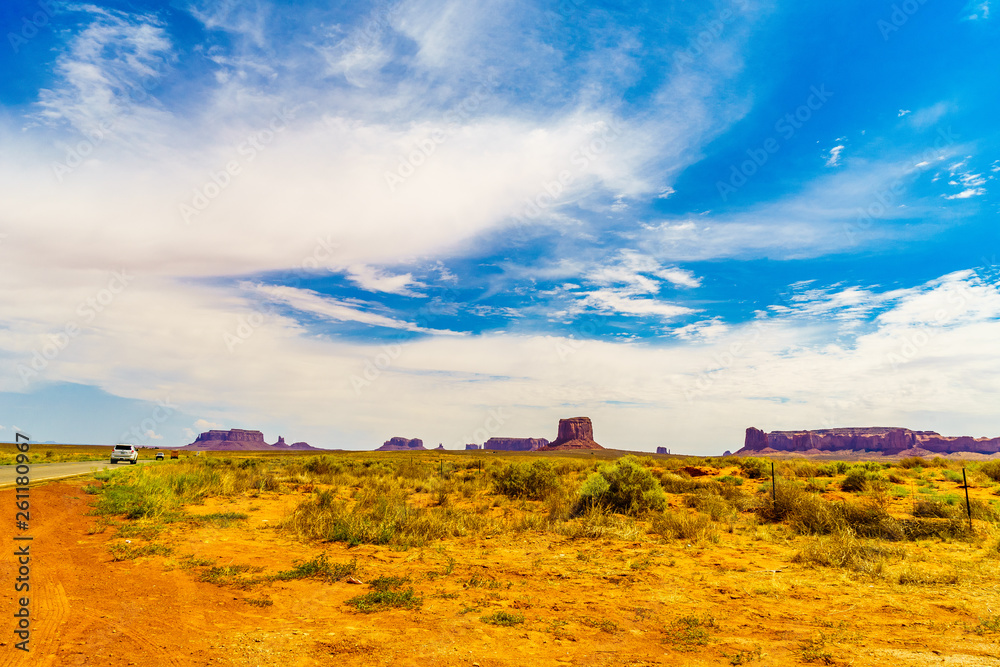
{"x":515,"y":444}
{"x":574,"y":433}
{"x":398,"y":444}
{"x":886,"y":440}
{"x":240,"y":440}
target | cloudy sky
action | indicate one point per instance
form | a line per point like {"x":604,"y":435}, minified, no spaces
{"x":341,"y":222}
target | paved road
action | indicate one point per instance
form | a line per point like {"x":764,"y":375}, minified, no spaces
{"x":48,"y":471}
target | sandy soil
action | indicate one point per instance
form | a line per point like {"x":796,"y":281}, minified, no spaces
{"x":585,"y":602}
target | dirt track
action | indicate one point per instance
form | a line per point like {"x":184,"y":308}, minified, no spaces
{"x":587,"y":602}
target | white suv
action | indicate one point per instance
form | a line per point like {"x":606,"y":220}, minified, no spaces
{"x":124,"y":453}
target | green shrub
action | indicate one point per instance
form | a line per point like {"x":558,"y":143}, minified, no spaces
{"x":754,"y":468}
{"x":931,"y":508}
{"x":503,"y":618}
{"x":318,"y":568}
{"x":532,"y":480}
{"x":673,"y":483}
{"x":991,"y":469}
{"x":729,"y":479}
{"x":858,"y":478}
{"x":382,"y":600}
{"x":625,"y":486}
{"x":688,"y":632}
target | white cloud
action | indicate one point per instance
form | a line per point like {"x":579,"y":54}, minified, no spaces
{"x":205,"y":425}
{"x":834,"y":158}
{"x":977,"y":10}
{"x":666,"y":193}
{"x":705,"y":330}
{"x":153,"y":435}
{"x":104,"y":80}
{"x":930,"y":116}
{"x":622,"y":301}
{"x":374,"y":280}
{"x":903,"y":112}
{"x":966,"y":194}
{"x":308,"y":301}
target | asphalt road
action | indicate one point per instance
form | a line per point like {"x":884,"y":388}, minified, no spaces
{"x":41,"y":472}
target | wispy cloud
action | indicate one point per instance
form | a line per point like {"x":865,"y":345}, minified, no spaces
{"x":977,"y":10}
{"x":833,"y":160}
{"x":308,"y":301}
{"x":107,"y":74}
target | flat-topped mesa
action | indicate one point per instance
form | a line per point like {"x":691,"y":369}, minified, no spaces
{"x":471,"y":446}
{"x":515,"y":444}
{"x":398,"y":444}
{"x":574,"y":433}
{"x":232,"y":435}
{"x":886,"y":440}
{"x":239,"y":439}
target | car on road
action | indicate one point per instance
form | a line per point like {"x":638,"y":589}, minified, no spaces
{"x":159,"y":456}
{"x":123,"y":452}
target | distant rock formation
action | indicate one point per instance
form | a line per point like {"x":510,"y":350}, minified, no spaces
{"x":238,"y":439}
{"x":398,"y":444}
{"x":886,"y":440}
{"x":662,"y":450}
{"x":515,"y":444}
{"x":440,"y":446}
{"x":574,"y":433}
{"x":472,"y":446}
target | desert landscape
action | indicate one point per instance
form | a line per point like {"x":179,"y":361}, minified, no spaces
{"x":496,"y":558}
{"x":499,"y":333}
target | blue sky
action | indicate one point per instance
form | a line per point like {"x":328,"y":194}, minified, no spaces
{"x":341,"y":223}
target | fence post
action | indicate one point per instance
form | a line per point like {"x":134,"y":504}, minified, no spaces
{"x":774,"y":495}
{"x":968,"y":507}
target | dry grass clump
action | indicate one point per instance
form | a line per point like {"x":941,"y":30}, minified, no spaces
{"x":597,"y":522}
{"x":844,"y":550}
{"x":921,"y":576}
{"x":378,"y":518}
{"x":684,"y":526}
